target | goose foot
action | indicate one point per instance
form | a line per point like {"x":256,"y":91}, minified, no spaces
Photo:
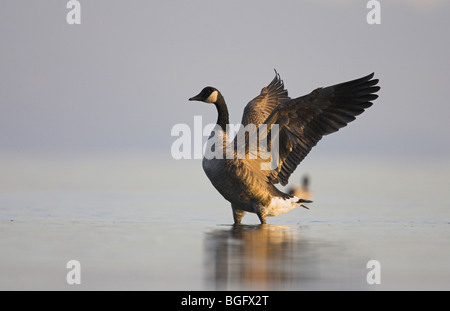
{"x":262,"y":218}
{"x":237,"y":215}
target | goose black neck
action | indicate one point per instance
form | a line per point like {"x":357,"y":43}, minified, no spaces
{"x":222,"y":109}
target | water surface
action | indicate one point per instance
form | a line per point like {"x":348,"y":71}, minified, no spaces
{"x":150,"y":223}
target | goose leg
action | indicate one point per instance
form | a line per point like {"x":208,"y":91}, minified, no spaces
{"x":262,"y":218}
{"x":262,"y":213}
{"x":237,"y":215}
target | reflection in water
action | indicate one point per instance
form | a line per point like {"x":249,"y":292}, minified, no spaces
{"x":257,"y":257}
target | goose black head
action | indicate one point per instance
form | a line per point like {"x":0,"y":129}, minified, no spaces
{"x":208,"y":95}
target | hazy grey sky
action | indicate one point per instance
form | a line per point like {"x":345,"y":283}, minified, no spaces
{"x":121,"y":79}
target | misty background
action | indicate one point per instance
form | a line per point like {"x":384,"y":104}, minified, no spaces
{"x":121,"y":80}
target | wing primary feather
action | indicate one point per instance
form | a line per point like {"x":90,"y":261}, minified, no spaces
{"x":305,"y":120}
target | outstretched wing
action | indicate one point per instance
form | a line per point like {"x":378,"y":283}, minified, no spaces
{"x":259,"y":108}
{"x":305,"y":120}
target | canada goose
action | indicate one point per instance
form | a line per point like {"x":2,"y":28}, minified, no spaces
{"x":301,"y":121}
{"x":302,"y":191}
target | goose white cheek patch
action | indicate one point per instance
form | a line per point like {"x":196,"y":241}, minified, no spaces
{"x":212,"y":98}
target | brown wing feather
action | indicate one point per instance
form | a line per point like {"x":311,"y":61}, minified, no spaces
{"x":259,"y":108}
{"x":305,"y":120}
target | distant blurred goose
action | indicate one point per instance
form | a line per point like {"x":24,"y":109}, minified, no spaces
{"x":302,"y":122}
{"x":302,"y":191}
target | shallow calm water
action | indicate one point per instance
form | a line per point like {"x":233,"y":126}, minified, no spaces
{"x":151,"y":223}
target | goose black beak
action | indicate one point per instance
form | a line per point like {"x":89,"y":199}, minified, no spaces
{"x":196,"y":97}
